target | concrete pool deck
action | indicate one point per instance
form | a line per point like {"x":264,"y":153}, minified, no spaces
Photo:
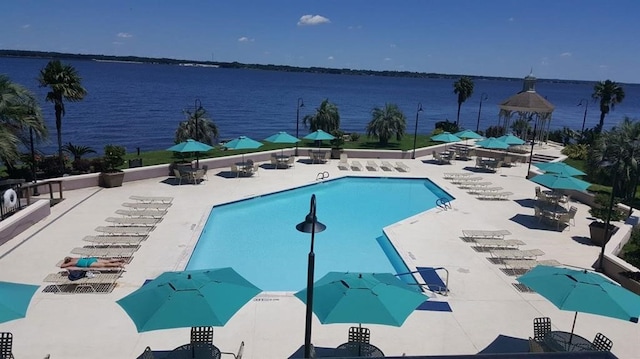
{"x":485,"y":304}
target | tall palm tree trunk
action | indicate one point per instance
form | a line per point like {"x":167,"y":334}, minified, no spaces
{"x":602,"y":115}
{"x":59,"y":130}
{"x":458,"y":117}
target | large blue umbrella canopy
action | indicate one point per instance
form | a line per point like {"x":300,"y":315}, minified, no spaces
{"x":374,"y":298}
{"x":319,"y":135}
{"x":511,"y":140}
{"x":468,"y":135}
{"x":190,"y":146}
{"x":556,"y":181}
{"x":282,"y":137}
{"x":446,"y":137}
{"x":15,"y":299}
{"x":583,"y":291}
{"x":242,"y":143}
{"x":560,"y":168}
{"x":493,"y":143}
{"x":208,"y":297}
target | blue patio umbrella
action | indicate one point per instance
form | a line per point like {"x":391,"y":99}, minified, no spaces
{"x":583,"y":291}
{"x":446,"y":137}
{"x":493,"y":143}
{"x":319,"y":135}
{"x":560,"y":168}
{"x":208,"y":297}
{"x":468,"y":135}
{"x":191,"y":146}
{"x":242,"y":143}
{"x":511,"y":140}
{"x":557,"y":181}
{"x":15,"y":299}
{"x":374,"y":298}
{"x":282,"y":137}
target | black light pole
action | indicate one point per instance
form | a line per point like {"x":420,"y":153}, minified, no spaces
{"x":533,"y":142}
{"x":198,"y":105}
{"x":299,"y":104}
{"x":607,"y":223}
{"x":634,"y":144}
{"x":586,"y":106}
{"x":33,"y":163}
{"x":483,"y":97}
{"x":310,"y":225}
{"x":415,"y":132}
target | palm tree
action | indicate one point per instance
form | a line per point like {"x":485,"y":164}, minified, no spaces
{"x":609,"y":94}
{"x":464,"y":89}
{"x":19,"y":111}
{"x":207,"y":130}
{"x":64,"y":84}
{"x":77,"y":151}
{"x":326,"y":118}
{"x":387,"y":122}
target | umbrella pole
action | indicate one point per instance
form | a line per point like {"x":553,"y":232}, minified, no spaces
{"x":197,"y":160}
{"x":572,"y":327}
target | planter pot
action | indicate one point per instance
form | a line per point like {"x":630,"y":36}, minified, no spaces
{"x":335,"y":153}
{"x":597,"y":229}
{"x":111,"y":179}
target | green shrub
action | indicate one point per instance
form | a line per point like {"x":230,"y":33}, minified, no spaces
{"x":600,"y":210}
{"x":113,"y":158}
{"x":576,"y":151}
{"x":631,"y":250}
{"x":355,"y":136}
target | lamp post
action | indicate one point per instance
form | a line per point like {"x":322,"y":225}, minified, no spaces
{"x":483,"y":97}
{"x":299,"y":104}
{"x":198,"y":105}
{"x":415,"y":132}
{"x":310,"y":225}
{"x":608,"y":221}
{"x":634,"y":144}
{"x":33,"y":163}
{"x":533,"y":142}
{"x":586,"y":106}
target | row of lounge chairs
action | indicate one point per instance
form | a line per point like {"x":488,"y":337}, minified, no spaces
{"x":476,"y":186}
{"x":121,"y":239}
{"x":506,"y":252}
{"x":355,"y":165}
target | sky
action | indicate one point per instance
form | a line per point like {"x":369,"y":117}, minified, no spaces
{"x":590,"y":40}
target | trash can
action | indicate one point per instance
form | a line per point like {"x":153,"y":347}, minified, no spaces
{"x":136,"y":162}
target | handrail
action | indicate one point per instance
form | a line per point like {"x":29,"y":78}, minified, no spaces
{"x":442,"y":291}
{"x":322,"y":175}
{"x":443,"y":203}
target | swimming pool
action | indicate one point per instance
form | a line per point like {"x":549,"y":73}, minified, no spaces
{"x":258,"y":238}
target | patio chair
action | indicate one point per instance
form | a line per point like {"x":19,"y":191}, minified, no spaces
{"x":128,"y":221}
{"x":241,"y":351}
{"x":372,"y":166}
{"x":197,"y":177}
{"x":145,"y":206}
{"x":274,"y":161}
{"x":202,"y":335}
{"x":205,"y":168}
{"x":152,"y":213}
{"x":124,"y":230}
{"x":152,"y":199}
{"x":401,"y":167}
{"x":538,"y":192}
{"x":147,"y":354}
{"x":180,"y":176}
{"x":541,"y":326}
{"x":115,"y":240}
{"x":535,"y":346}
{"x":6,"y":342}
{"x":601,"y":343}
{"x":359,"y":335}
{"x":101,"y":252}
{"x":254,"y":169}
{"x":343,"y":164}
{"x":386,"y":166}
{"x":291,"y":161}
{"x":356,"y":166}
{"x":566,"y":218}
{"x":235,"y":170}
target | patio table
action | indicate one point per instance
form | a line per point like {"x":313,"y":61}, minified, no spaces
{"x":195,"y":350}
{"x":355,"y":349}
{"x":558,"y":341}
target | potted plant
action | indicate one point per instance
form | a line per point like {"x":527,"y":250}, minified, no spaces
{"x":600,"y":211}
{"x":111,"y":175}
{"x":337,"y":143}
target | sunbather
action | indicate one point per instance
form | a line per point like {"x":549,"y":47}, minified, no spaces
{"x":91,"y":262}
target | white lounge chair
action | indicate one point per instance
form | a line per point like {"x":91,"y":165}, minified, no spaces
{"x":141,"y":213}
{"x":498,"y":243}
{"x":102,"y":252}
{"x":386,"y":166}
{"x":124,"y":230}
{"x":156,"y":206}
{"x":465,"y":179}
{"x":476,"y":189}
{"x":356,"y":166}
{"x":480,"y":233}
{"x":343,"y":164}
{"x":115,"y":240}
{"x":500,"y":196}
{"x":371,"y":166}
{"x":516,"y":253}
{"x":451,"y":175}
{"x":129,"y":221}
{"x":151,"y":199}
{"x":401,"y":167}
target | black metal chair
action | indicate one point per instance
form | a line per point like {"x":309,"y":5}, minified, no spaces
{"x":541,"y":326}
{"x":359,"y":335}
{"x":147,"y":354}
{"x":202,"y":335}
{"x":602,"y":343}
{"x":6,"y":342}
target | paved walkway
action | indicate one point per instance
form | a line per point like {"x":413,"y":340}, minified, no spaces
{"x":485,"y":304}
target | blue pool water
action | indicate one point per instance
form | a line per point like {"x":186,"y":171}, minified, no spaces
{"x":258,"y":238}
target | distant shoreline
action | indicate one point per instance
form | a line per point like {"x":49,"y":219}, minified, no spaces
{"x":237,"y":65}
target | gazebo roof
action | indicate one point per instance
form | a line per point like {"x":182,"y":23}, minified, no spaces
{"x":527,"y":101}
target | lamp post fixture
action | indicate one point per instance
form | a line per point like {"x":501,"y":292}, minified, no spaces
{"x":33,"y":163}
{"x":310,"y":225}
{"x":586,"y":106}
{"x":198,"y":105}
{"x":299,"y":104}
{"x":533,"y":142}
{"x":483,"y":97}
{"x":608,"y":221}
{"x":634,"y":144}
{"x":415,"y":132}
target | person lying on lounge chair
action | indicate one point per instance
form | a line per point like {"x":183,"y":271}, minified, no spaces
{"x":91,"y":262}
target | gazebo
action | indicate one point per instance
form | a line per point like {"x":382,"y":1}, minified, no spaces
{"x":528,"y":105}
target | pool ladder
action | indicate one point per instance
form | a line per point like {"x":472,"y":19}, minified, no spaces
{"x":444,"y":203}
{"x":322,"y":175}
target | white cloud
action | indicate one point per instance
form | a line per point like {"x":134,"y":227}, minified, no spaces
{"x":124,"y":35}
{"x":604,"y":66}
{"x":387,"y":59}
{"x":511,"y":19}
{"x":544,"y":61}
{"x":26,"y":26}
{"x":565,"y":54}
{"x":313,"y":20}
{"x":245,"y":39}
{"x":330,"y":58}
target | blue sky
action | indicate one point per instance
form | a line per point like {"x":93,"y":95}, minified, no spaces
{"x":583,"y":40}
